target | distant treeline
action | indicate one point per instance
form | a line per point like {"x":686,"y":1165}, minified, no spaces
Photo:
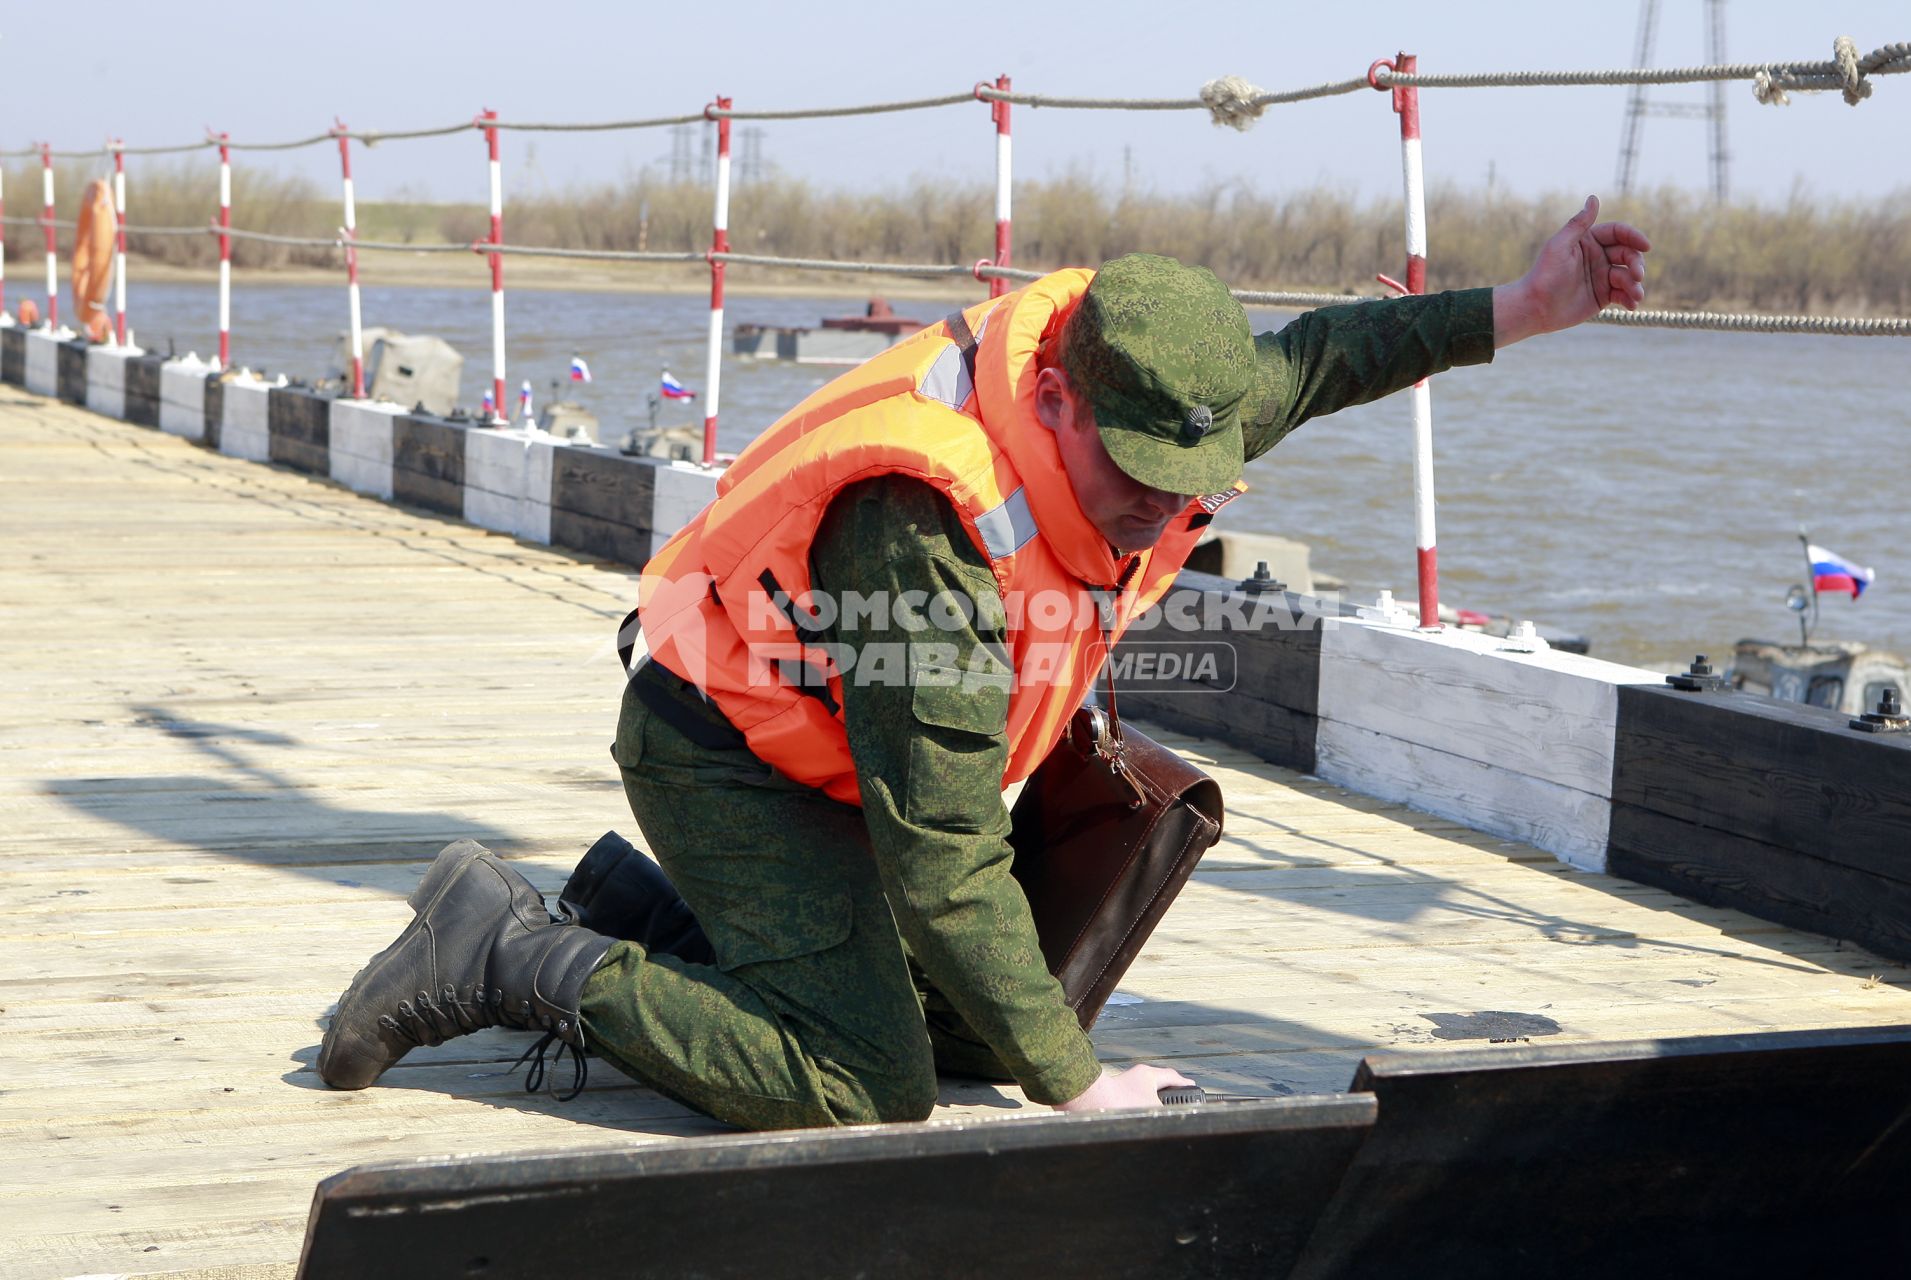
{"x":1800,"y":254}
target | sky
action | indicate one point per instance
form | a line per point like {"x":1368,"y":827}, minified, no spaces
{"x":270,"y":71}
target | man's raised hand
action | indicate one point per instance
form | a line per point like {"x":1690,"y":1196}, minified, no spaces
{"x":1586,"y":266}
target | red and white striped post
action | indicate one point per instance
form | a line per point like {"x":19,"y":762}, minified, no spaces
{"x":225,"y":250}
{"x":719,"y":243}
{"x":350,"y":231}
{"x":52,"y":247}
{"x":119,"y":242}
{"x":999,"y":110}
{"x":489,"y":119}
{"x":1406,"y":103}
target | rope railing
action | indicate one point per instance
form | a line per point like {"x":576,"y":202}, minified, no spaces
{"x":1229,"y":99}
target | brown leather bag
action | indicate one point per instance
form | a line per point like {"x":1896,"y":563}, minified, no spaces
{"x":1106,"y":832}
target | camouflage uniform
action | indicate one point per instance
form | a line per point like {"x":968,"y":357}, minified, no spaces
{"x":825,"y":917}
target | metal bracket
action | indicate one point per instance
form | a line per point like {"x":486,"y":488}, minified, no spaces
{"x":1698,"y":678}
{"x":1888,"y":718}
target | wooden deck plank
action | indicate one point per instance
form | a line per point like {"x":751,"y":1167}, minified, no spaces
{"x":244,"y":707}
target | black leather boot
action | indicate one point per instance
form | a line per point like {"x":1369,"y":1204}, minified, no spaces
{"x":481,"y":952}
{"x":616,"y":890}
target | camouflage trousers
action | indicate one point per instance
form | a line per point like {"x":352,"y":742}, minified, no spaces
{"x":813,"y":1013}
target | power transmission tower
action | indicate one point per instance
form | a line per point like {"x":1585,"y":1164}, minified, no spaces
{"x":680,"y":154}
{"x":1639,"y":106}
{"x":750,"y":156}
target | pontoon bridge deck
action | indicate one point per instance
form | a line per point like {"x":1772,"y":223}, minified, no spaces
{"x":243,"y":707}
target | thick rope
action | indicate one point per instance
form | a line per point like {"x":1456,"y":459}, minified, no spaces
{"x":1770,"y":80}
{"x":265,"y":237}
{"x":1227,"y":91}
{"x":598,"y":255}
{"x":859,"y":268}
{"x":1229,"y":100}
{"x":1751,"y":322}
{"x":595,"y":126}
{"x":867,"y":109}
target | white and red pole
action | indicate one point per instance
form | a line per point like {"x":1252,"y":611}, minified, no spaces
{"x":351,"y":260}
{"x":225,"y":250}
{"x":119,"y":242}
{"x":719,"y":243}
{"x":489,"y":117}
{"x":3,"y":241}
{"x":52,"y":247}
{"x":999,"y":112}
{"x":1406,"y":103}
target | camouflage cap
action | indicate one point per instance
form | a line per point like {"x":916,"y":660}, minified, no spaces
{"x":1164,"y":354}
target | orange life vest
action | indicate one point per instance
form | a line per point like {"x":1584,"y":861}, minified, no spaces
{"x":721,"y":602}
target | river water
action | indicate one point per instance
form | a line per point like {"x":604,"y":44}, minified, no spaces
{"x":1643,"y":488}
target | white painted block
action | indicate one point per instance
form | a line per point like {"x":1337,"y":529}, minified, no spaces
{"x":1570,"y":824}
{"x":534,"y":521}
{"x":361,"y":444}
{"x":43,"y":360}
{"x":494,"y":478}
{"x":683,"y":490}
{"x":1548,"y":715}
{"x":106,"y":379}
{"x":182,"y":397}
{"x":242,"y":425}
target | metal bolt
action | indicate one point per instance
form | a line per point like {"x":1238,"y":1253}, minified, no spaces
{"x":1700,"y":667}
{"x":1263,"y":580}
{"x":1888,"y":701}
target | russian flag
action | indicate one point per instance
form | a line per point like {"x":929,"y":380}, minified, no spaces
{"x":1832,"y":572}
{"x":675,"y":390}
{"x":580,"y":372}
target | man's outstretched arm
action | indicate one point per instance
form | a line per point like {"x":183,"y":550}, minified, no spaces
{"x":1334,"y":357}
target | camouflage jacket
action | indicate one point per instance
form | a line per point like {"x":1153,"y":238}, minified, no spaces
{"x":930,"y":772}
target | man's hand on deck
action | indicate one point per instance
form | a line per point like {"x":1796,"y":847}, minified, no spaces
{"x":1138,"y":1086}
{"x":1586,"y":266}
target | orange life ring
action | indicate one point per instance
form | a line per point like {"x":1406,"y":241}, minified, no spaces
{"x":93,"y":259}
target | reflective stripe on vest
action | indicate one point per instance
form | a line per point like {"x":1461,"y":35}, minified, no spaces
{"x":1007,"y":527}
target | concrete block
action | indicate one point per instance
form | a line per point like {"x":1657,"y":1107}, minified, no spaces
{"x":507,"y":484}
{"x":683,"y":490}
{"x":106,"y":378}
{"x":361,"y":445}
{"x":1452,"y":723}
{"x":540,"y":459}
{"x":43,"y":360}
{"x":182,"y":397}
{"x":1570,"y":824}
{"x":244,"y":430}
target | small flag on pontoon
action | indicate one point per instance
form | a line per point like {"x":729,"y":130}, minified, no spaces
{"x":580,"y":372}
{"x":524,"y":399}
{"x":675,"y":390}
{"x":1832,"y":572}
